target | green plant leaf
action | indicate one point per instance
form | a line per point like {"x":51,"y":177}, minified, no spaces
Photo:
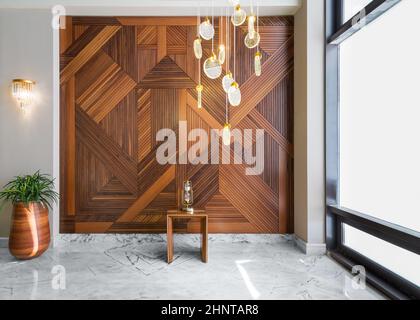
{"x":30,"y":188}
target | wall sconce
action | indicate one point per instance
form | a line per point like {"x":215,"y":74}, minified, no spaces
{"x":22,"y":91}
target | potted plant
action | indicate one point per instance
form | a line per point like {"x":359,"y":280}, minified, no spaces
{"x":31,"y":197}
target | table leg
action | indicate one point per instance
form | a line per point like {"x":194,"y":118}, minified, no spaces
{"x":169,"y":236}
{"x":204,"y":239}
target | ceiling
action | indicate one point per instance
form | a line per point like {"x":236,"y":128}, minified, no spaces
{"x":152,"y":7}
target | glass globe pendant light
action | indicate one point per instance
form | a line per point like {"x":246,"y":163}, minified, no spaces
{"x":206,"y":29}
{"x":257,"y":63}
{"x":222,"y":54}
{"x":252,"y":39}
{"x":212,"y":67}
{"x":198,"y":50}
{"x":227,"y":81}
{"x":234,"y":94}
{"x":226,"y":134}
{"x":238,"y":16}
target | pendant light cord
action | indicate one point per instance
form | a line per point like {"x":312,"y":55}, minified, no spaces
{"x":198,"y":18}
{"x":227,"y":41}
{"x":199,"y":71}
{"x":234,"y":52}
{"x":258,"y":16}
{"x":258,"y":22}
{"x":227,"y":109}
{"x":198,"y":35}
{"x":212,"y":23}
{"x":220,"y":29}
{"x":228,"y":61}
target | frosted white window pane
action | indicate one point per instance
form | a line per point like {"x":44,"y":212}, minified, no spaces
{"x":400,"y":261}
{"x":380,"y":118}
{"x":351,"y":7}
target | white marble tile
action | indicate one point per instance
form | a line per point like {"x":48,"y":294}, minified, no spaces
{"x":134,"y":267}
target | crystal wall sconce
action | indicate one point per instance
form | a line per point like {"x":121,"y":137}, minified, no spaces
{"x":22,"y":91}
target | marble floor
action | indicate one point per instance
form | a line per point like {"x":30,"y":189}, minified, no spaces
{"x":134,"y":267}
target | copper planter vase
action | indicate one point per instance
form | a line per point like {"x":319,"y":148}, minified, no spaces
{"x":30,"y":230}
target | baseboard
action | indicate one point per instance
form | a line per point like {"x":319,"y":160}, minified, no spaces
{"x":4,"y":242}
{"x":55,"y":241}
{"x":310,"y":249}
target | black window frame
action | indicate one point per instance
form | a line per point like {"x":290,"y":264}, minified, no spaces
{"x":388,"y":282}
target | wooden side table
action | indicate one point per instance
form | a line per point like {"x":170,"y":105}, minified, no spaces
{"x":177,"y":214}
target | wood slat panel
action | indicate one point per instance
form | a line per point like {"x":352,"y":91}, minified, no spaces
{"x":78,"y":30}
{"x":158,"y":21}
{"x":95,"y":21}
{"x":107,"y":150}
{"x":162,"y":50}
{"x":66,"y":35}
{"x":76,"y":46}
{"x":122,"y":48}
{"x":88,"y":52}
{"x":177,"y":40}
{"x":251,"y":197}
{"x":147,"y":35}
{"x":92,"y":227}
{"x":277,"y":107}
{"x":117,"y":88}
{"x":94,"y":75}
{"x":205,"y":185}
{"x":164,"y":106}
{"x":263,"y":123}
{"x":71,"y":151}
{"x":256,"y":88}
{"x":203,"y":113}
{"x":167,"y":74}
{"x":148,"y":196}
{"x":191,"y":68}
{"x":149,"y":170}
{"x":146,"y":61}
{"x":144,"y":116}
{"x":93,"y":202}
{"x":125,"y":78}
{"x":120,"y":124}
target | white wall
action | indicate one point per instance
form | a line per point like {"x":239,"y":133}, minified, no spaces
{"x":26,"y":140}
{"x":309,"y":127}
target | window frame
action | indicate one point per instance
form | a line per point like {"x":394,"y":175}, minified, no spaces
{"x":388,"y":282}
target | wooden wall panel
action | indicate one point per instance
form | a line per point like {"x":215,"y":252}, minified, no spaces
{"x":125,"y":78}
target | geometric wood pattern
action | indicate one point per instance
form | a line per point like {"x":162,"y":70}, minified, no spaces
{"x":125,"y":78}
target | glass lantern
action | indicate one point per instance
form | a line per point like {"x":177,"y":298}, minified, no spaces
{"x":187,"y":197}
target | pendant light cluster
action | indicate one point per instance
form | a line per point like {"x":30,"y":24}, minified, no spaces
{"x":212,"y":66}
